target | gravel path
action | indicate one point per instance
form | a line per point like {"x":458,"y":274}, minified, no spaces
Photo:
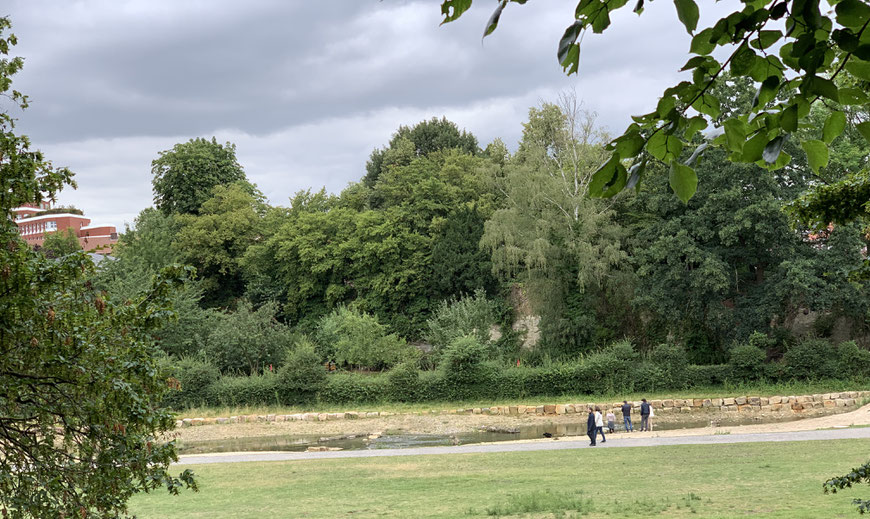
{"x":539,"y":445}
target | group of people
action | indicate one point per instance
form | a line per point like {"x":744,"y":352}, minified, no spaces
{"x":595,"y":421}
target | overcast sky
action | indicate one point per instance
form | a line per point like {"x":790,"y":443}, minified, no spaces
{"x":304,"y":89}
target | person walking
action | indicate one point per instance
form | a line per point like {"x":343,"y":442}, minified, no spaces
{"x":626,"y":416}
{"x":590,"y":427}
{"x":611,"y":421}
{"x":644,"y":415}
{"x":599,"y":424}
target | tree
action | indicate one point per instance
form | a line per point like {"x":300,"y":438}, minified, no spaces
{"x":60,"y":243}
{"x":551,"y":237}
{"x":418,"y":141}
{"x":823,"y":57}
{"x":215,"y":240}
{"x":80,"y":415}
{"x":185,"y":175}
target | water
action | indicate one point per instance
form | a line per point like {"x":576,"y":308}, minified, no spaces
{"x":401,"y":440}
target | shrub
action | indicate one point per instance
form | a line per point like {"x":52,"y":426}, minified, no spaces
{"x":248,"y":340}
{"x":671,"y":360}
{"x":347,"y":388}
{"x":709,"y":375}
{"x":463,"y":369}
{"x":852,"y":361}
{"x":747,"y":361}
{"x":811,"y":359}
{"x":246,"y":390}
{"x":302,"y":376}
{"x":350,"y":337}
{"x":646,"y":376}
{"x":403,"y":382}
{"x":195,"y":377}
{"x":468,"y":316}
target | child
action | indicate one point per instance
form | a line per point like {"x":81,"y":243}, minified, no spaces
{"x":611,"y":420}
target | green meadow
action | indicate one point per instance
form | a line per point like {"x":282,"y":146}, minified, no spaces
{"x":768,"y":480}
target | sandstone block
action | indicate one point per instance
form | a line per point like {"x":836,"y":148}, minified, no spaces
{"x":775,"y":399}
{"x":322,"y":417}
{"x":179,"y":423}
{"x":728,"y":401}
{"x":850,"y":402}
{"x":549,"y":409}
{"x":476,"y":410}
{"x":698,"y":402}
{"x":829,"y":403}
{"x":765,"y":401}
{"x":570,"y":409}
{"x":818,"y":398}
{"x":209,"y":421}
{"x":667,"y":403}
{"x":513,"y":409}
{"x":222,"y":420}
{"x":686,"y":409}
{"x":655,"y":403}
{"x":754,"y":400}
{"x":196,"y":421}
{"x":270,"y":418}
{"x":840,"y":402}
{"x":559,"y":409}
{"x":766,"y":408}
{"x":740,"y":400}
{"x":717,"y":402}
{"x":776,"y":407}
{"x":745,"y":408}
{"x":539,"y":409}
{"x":707,"y":403}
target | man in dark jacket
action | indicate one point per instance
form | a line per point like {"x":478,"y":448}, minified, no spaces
{"x":626,"y":416}
{"x":591,"y":430}
{"x":644,"y":415}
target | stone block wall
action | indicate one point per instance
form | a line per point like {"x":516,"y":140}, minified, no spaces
{"x":737,"y":404}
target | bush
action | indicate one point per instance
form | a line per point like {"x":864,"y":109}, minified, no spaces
{"x":347,"y":388}
{"x":671,"y":360}
{"x":469,"y":316}
{"x":646,"y":376}
{"x":709,"y":375}
{"x":195,"y":378}
{"x":852,"y":361}
{"x":247,"y":390}
{"x":747,"y":362}
{"x":354,"y":338}
{"x":403,"y":382}
{"x":811,"y":359}
{"x":463,"y":369}
{"x":302,"y":376}
{"x":248,"y":340}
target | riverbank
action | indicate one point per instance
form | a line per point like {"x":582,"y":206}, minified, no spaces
{"x":757,"y":413}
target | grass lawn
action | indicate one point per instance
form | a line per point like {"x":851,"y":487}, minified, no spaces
{"x":767,"y":480}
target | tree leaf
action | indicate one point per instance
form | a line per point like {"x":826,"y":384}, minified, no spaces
{"x":754,"y":147}
{"x":823,"y":87}
{"x":695,"y":124}
{"x":864,"y":129}
{"x":453,"y":9}
{"x":629,"y":145}
{"x":766,"y":39}
{"x":852,"y":13}
{"x":664,"y":147}
{"x":635,"y":174}
{"x":493,"y":20}
{"x":683,"y":181}
{"x":742,"y":61}
{"x":834,"y":126}
{"x":701,"y":43}
{"x":771,"y":151}
{"x":735,"y":134}
{"x":569,"y":38}
{"x":858,"y":68}
{"x":817,"y":154}
{"x":687,"y":12}
{"x":603,"y":176}
{"x":789,"y":119}
{"x":766,"y":92}
{"x":708,"y":105}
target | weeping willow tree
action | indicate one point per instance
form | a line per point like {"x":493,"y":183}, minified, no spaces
{"x":550,"y":237}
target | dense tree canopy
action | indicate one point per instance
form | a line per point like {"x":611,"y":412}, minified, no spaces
{"x":185,"y":175}
{"x":80,"y":413}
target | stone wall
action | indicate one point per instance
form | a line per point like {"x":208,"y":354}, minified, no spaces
{"x":737,"y":404}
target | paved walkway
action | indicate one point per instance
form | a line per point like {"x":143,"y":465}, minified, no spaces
{"x":616,"y":441}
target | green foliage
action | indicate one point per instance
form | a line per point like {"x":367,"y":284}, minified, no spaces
{"x":216,"y":239}
{"x":80,"y":416}
{"x":854,"y":477}
{"x":420,"y":140}
{"x":823,"y":57}
{"x":747,"y":360}
{"x":673,"y":361}
{"x":248,"y":341}
{"x":302,"y":376}
{"x":60,"y":243}
{"x":852,"y":361}
{"x":471,"y":315}
{"x":348,"y":336}
{"x":811,"y":359}
{"x":403,"y":382}
{"x":185,"y":175}
{"x":347,"y":388}
{"x":195,"y":377}
{"x":249,"y":390}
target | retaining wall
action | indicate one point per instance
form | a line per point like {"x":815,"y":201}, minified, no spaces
{"x":737,"y":404}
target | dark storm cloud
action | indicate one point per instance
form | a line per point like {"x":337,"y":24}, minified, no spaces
{"x":305,"y":89}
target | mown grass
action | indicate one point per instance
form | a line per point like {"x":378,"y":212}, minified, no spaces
{"x":754,"y":389}
{"x":771,"y":480}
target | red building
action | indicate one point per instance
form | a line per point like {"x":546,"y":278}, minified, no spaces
{"x":35,"y":221}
